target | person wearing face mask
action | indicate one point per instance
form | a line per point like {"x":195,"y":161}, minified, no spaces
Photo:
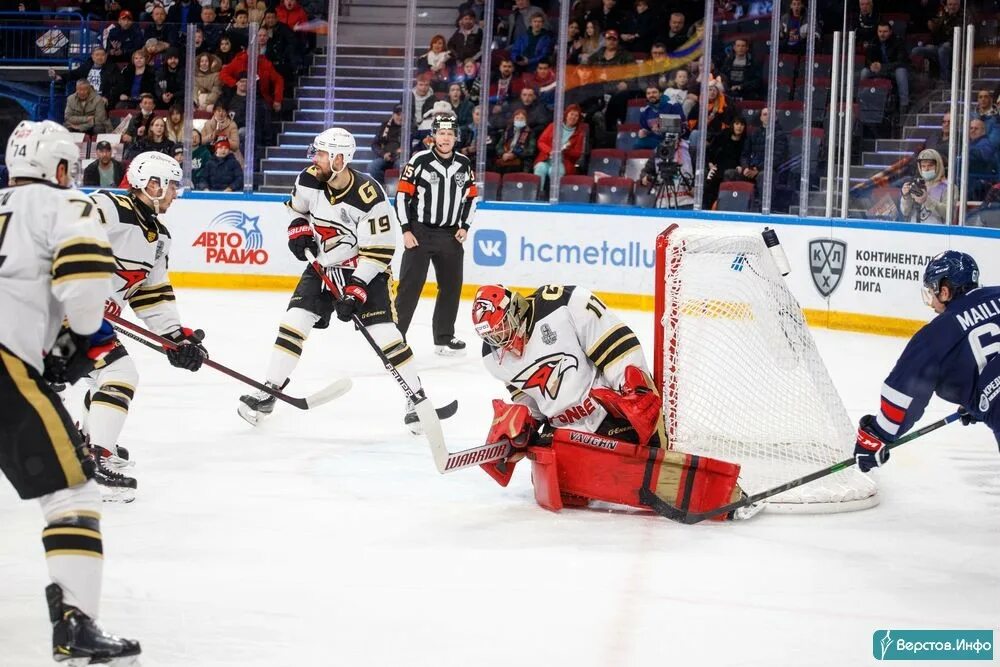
{"x":925,"y":200}
{"x":516,"y":148}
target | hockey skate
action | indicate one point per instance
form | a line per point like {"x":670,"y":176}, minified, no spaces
{"x":256,"y":407}
{"x":411,"y":419}
{"x":115,"y":487}
{"x":744,"y":513}
{"x":453,"y":348}
{"x":115,"y":460}
{"x":77,"y":640}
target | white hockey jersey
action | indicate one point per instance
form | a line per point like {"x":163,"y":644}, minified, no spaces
{"x":141,"y":246}
{"x":574,"y":343}
{"x":55,"y":261}
{"x":354,"y":228}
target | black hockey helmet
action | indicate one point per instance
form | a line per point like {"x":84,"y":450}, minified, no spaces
{"x":445,"y":120}
{"x":959,"y":269}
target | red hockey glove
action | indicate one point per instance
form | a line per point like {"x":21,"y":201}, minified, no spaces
{"x":869,"y":450}
{"x":637,"y":402}
{"x":353,"y":298}
{"x":300,"y":238}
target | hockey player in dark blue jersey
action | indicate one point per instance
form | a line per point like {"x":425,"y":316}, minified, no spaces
{"x":956,"y":355}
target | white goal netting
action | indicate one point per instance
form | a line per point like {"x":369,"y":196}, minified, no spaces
{"x":741,"y":377}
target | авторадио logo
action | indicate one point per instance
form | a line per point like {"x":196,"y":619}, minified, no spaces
{"x":239,"y":242}
{"x":489,"y":247}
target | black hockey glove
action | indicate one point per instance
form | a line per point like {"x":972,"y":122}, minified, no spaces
{"x":965,"y":417}
{"x":352,"y":299}
{"x":869,"y":450}
{"x":189,"y":352}
{"x":67,"y":361}
{"x":300,"y":238}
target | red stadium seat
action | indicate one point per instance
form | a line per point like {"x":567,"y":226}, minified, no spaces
{"x":492,"y":186}
{"x":614,"y":190}
{"x":608,"y":161}
{"x":635,"y":161}
{"x":576,"y":188}
{"x":735,"y":196}
{"x":520,"y":187}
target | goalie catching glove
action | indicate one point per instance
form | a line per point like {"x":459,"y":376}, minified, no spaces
{"x":636,"y":402}
{"x":189,"y":352}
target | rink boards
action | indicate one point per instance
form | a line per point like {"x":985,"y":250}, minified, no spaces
{"x":854,"y":275}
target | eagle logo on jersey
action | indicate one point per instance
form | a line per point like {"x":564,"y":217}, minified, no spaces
{"x":546,"y":374}
{"x":332,"y":234}
{"x":132,"y":274}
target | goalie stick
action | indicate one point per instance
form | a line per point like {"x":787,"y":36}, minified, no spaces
{"x":430,"y":418}
{"x":325,"y":395}
{"x":667,"y":510}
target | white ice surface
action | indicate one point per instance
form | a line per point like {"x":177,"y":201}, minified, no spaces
{"x":328,"y":538}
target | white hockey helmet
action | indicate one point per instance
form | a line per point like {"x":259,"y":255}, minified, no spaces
{"x":335,"y":141}
{"x":35,"y":149}
{"x":149,"y":165}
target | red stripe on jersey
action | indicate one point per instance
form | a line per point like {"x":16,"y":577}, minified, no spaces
{"x":893,"y":413}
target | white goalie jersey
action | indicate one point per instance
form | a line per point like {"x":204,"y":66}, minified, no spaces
{"x":54,"y":261}
{"x":573,"y":343}
{"x":354,"y":228}
{"x":141,"y":246}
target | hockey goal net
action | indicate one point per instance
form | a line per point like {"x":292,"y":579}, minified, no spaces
{"x":740,"y":374}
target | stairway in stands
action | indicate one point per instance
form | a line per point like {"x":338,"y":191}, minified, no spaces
{"x":878,"y":154}
{"x":368,"y":83}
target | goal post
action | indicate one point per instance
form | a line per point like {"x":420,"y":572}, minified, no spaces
{"x":740,"y":374}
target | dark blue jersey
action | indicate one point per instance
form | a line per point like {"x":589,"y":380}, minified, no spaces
{"x":957,"y":356}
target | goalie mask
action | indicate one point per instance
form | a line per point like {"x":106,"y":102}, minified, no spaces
{"x":500,"y":317}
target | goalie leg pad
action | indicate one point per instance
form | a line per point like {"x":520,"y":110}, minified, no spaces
{"x":588,"y":466}
{"x":695,"y":483}
{"x":637,"y":402}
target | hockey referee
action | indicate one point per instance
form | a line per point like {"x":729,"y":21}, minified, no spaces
{"x":435,"y":200}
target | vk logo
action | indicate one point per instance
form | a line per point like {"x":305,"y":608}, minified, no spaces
{"x":490,"y":247}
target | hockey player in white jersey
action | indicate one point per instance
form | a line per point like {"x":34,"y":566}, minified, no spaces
{"x":141,"y":246}
{"x":55,"y":263}
{"x":345,"y":219}
{"x":576,"y":371}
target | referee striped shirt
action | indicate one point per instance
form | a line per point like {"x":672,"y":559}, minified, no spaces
{"x":436,"y":192}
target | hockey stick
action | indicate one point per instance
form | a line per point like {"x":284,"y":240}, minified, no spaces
{"x":325,"y":395}
{"x":430,"y":418}
{"x":667,"y":510}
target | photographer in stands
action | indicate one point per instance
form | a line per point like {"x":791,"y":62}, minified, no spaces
{"x":669,"y":174}
{"x":925,"y":198}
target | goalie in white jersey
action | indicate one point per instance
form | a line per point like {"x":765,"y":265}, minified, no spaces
{"x":141,"y":246}
{"x":344,"y":218}
{"x":573,"y":367}
{"x":55,"y":263}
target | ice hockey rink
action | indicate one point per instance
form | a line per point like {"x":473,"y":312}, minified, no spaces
{"x":328,"y":538}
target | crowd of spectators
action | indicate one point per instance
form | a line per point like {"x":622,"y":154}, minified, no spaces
{"x":629,"y":72}
{"x":133,"y":86}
